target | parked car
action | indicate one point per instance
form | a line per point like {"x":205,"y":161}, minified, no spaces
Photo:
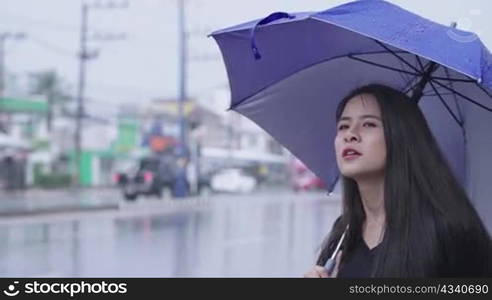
{"x":234,"y":180}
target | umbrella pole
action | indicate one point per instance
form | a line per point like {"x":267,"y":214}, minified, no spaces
{"x":418,"y":91}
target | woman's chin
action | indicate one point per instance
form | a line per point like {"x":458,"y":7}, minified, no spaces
{"x":359,"y":173}
{"x":352,"y":171}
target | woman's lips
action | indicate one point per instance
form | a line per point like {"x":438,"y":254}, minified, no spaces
{"x":351,"y":156}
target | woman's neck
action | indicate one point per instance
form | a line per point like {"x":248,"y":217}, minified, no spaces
{"x":372,"y":195}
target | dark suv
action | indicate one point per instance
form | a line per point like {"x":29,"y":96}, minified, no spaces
{"x":155,"y":175}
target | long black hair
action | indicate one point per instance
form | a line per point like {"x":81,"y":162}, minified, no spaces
{"x":431,"y":229}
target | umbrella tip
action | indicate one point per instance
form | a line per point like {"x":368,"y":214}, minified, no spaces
{"x":256,"y":53}
{"x":454,"y":24}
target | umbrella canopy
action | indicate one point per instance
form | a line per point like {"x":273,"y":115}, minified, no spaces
{"x":288,"y":72}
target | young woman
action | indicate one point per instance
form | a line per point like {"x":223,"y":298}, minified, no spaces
{"x":404,"y":213}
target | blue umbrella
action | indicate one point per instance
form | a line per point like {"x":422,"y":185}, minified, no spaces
{"x":287,"y":73}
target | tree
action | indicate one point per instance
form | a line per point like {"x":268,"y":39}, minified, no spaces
{"x":49,"y":84}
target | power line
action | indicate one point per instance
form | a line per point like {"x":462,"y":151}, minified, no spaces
{"x":41,"y":23}
{"x":38,"y":22}
{"x":111,"y":86}
{"x":52,"y":47}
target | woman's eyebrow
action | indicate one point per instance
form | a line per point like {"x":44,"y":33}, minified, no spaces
{"x":361,"y":117}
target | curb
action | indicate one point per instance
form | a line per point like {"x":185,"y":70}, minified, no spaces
{"x":56,"y":210}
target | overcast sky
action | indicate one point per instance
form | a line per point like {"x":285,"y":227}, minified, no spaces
{"x":144,"y":66}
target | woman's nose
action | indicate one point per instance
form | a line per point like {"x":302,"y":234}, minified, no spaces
{"x":351,"y":136}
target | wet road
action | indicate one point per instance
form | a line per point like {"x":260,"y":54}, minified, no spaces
{"x":267,"y":234}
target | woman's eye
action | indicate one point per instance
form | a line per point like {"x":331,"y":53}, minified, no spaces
{"x":341,"y":127}
{"x":368,"y":124}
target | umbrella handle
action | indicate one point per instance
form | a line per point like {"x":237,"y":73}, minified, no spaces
{"x":270,"y":18}
{"x":330,"y":266}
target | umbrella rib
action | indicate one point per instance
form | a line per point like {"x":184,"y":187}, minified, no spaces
{"x":418,"y":90}
{"x":426,"y":65}
{"x":397,"y":56}
{"x":441,"y":90}
{"x":417,"y":79}
{"x":463,"y":96}
{"x":420,"y":63}
{"x":449,"y":85}
{"x":434,"y":94}
{"x":407,"y":80}
{"x":483,"y":89}
{"x":460,"y":122}
{"x":458,"y":107}
{"x":380,"y":65}
{"x":411,"y":87}
{"x":453,"y":79}
{"x":403,"y":77}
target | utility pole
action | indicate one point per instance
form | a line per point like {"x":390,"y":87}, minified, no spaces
{"x":184,"y":59}
{"x":4,"y":36}
{"x":182,"y":149}
{"x":84,"y":56}
{"x":183,"y":56}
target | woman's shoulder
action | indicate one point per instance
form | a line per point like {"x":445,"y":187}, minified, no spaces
{"x":338,"y":221}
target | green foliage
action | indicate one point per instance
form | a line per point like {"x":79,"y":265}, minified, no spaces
{"x":54,"y":181}
{"x":50,"y":180}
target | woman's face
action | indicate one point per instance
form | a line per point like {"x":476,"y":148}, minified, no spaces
{"x":360,"y":128}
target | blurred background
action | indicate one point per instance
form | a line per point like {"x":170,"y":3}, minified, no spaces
{"x":118,"y":156}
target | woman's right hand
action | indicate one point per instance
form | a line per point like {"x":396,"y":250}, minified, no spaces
{"x":316,"y":272}
{"x":320,"y":272}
